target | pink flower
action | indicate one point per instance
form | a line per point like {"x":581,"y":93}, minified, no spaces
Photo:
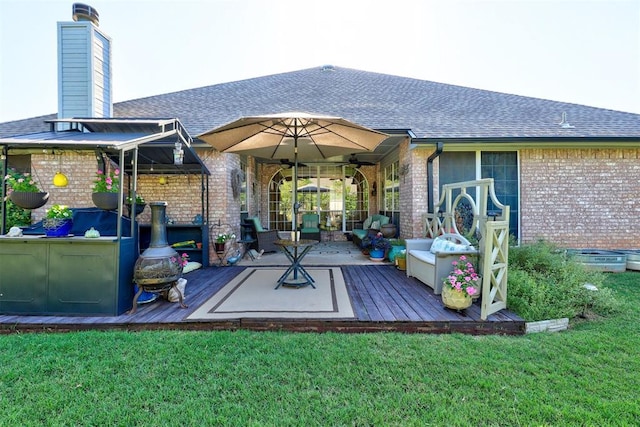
{"x":471,"y":290}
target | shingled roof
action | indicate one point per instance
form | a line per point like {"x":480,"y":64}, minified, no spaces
{"x":380,"y":101}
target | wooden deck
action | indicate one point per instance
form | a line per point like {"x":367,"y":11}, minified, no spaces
{"x":383,"y":298}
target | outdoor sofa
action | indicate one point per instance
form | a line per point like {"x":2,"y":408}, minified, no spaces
{"x":429,"y":260}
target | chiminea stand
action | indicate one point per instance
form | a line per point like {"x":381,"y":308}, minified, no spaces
{"x":159,"y":267}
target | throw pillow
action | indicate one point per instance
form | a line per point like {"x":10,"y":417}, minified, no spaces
{"x":367,"y":223}
{"x":191,"y":265}
{"x":375,"y":225}
{"x":438,"y":245}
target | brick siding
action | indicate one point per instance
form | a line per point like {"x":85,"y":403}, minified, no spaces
{"x":583,"y":198}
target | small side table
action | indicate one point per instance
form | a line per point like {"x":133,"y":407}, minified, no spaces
{"x":246,"y":245}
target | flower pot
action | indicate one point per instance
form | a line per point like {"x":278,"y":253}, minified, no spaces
{"x":219,"y":246}
{"x":478,"y":286}
{"x":393,"y":253}
{"x":57,"y":227}
{"x":455,"y":299}
{"x":376,"y":254}
{"x":106,"y":201}
{"x":139,"y":208}
{"x":389,"y":230}
{"x":401,"y":263}
{"x":27,"y":200}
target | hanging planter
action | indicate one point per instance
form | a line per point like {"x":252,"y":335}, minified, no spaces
{"x":139,"y":209}
{"x":29,"y":200}
{"x":24,"y":191}
{"x":106,"y":189}
{"x":106,"y":201}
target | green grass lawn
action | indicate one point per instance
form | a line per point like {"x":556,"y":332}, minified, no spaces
{"x":588,"y":375}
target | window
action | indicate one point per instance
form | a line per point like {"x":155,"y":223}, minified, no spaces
{"x":338,"y":194}
{"x":502,"y":166}
{"x":244,"y":207}
{"x":391,"y":187}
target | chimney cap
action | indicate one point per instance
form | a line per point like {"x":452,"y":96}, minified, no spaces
{"x":84,"y":12}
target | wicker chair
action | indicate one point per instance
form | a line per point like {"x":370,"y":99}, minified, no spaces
{"x":265,"y":238}
{"x":310,"y":227}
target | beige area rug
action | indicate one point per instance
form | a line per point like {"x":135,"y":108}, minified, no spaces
{"x":252,"y":294}
{"x":324,"y":253}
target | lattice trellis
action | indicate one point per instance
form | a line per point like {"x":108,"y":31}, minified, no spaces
{"x":494,"y":268}
{"x":491,"y":236}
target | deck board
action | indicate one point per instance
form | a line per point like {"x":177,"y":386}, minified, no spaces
{"x":383,"y":299}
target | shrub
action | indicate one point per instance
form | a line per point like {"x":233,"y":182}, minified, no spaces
{"x":544,"y":284}
{"x":17,"y":216}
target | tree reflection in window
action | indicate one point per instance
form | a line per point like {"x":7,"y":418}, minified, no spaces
{"x":338,"y":194}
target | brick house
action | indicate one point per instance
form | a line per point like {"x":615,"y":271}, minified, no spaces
{"x":569,"y":172}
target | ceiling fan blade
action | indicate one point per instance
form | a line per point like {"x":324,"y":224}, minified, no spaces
{"x":286,"y":162}
{"x":354,"y":161}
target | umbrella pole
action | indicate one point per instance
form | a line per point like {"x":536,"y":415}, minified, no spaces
{"x":295,"y":206}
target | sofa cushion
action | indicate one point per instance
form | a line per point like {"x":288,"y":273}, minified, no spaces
{"x":367,"y":223}
{"x":444,"y":245}
{"x":359,"y":233}
{"x":439,"y":244}
{"x":425,"y":256}
{"x":375,"y":225}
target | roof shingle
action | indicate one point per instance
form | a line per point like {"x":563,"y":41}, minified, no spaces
{"x":379,"y":101}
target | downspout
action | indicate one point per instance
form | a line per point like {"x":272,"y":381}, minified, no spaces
{"x":4,"y":158}
{"x":432,"y":157}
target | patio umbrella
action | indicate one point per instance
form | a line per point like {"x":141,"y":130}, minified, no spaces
{"x":312,"y":188}
{"x":302,"y":136}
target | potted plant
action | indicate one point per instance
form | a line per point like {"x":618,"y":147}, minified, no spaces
{"x":23,"y":190}
{"x":140,"y":204}
{"x":58,"y":221}
{"x":460,"y":285}
{"x":221,"y":241}
{"x":401,"y":260}
{"x":106,"y":188}
{"x":397,"y":245}
{"x":377,"y":245}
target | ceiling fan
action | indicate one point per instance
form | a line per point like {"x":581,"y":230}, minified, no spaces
{"x":353,"y":160}
{"x":286,"y":162}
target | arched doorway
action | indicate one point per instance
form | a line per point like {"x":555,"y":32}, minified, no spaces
{"x":338,"y":194}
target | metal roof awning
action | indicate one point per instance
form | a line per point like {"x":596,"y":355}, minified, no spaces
{"x":154,"y":139}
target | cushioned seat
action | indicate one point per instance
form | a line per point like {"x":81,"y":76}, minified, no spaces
{"x":310,"y":227}
{"x":373,"y":222}
{"x":430,"y":260}
{"x":264,"y":237}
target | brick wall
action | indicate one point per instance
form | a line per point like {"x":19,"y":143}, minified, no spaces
{"x":80,"y":169}
{"x":581,"y":198}
{"x":575,"y":198}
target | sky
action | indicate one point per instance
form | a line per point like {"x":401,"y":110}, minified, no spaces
{"x":581,"y":51}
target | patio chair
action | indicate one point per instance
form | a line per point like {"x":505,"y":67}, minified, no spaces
{"x":310,"y":228}
{"x":373,"y":222}
{"x":265,"y":238}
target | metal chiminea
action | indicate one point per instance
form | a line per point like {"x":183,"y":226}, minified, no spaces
{"x":159,"y":267}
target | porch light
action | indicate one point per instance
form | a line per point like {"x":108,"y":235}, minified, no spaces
{"x":178,"y":154}
{"x":60,"y":179}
